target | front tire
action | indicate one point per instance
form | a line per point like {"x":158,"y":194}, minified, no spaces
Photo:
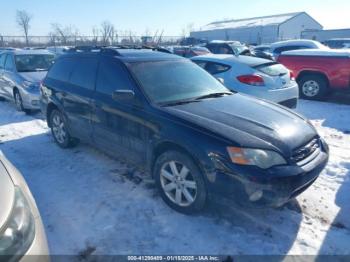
{"x":180,"y":182}
{"x":18,"y":101}
{"x":59,"y":130}
{"x":313,"y":87}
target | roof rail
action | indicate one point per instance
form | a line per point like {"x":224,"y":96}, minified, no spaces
{"x":113,"y":50}
{"x":94,"y":49}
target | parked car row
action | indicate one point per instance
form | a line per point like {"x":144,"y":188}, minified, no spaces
{"x":196,"y":137}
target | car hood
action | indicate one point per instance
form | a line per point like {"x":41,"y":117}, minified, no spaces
{"x":248,"y":122}
{"x":7,"y":193}
{"x":34,"y":77}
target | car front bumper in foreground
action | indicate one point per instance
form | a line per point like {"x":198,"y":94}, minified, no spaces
{"x":273,"y":187}
{"x":38,"y":249}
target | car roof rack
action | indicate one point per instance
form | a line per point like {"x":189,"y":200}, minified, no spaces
{"x":113,"y":50}
{"x":94,"y":49}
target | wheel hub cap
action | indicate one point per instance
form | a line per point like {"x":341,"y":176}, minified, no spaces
{"x":311,"y":88}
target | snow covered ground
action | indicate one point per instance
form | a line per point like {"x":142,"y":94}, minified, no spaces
{"x":91,"y":203}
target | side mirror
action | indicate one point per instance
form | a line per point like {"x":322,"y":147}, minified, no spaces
{"x":123,"y":95}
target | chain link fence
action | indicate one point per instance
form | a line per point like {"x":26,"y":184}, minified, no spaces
{"x":45,"y":41}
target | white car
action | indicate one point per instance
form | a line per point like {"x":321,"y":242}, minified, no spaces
{"x":277,"y":48}
{"x":253,"y":76}
{"x":21,"y":229}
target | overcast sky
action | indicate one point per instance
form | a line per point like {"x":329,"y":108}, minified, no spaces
{"x":140,"y":16}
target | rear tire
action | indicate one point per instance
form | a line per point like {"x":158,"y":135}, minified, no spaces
{"x":313,"y":87}
{"x":180,"y":182}
{"x":59,"y":130}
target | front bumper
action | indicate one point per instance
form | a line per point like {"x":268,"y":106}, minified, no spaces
{"x":272,"y":187}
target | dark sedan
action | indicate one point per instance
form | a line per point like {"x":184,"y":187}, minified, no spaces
{"x":196,"y":137}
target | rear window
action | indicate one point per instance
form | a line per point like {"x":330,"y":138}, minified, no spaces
{"x":273,"y":69}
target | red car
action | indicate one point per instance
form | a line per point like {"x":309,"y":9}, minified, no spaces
{"x":318,"y":71}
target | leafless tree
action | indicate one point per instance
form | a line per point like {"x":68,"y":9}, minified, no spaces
{"x":23,"y":19}
{"x":65,"y":34}
{"x":95,"y":34}
{"x":107,"y":32}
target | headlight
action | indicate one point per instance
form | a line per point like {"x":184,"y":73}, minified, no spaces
{"x":255,"y":157}
{"x":18,"y":233}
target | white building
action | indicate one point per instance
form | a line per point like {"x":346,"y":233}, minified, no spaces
{"x":258,"y":30}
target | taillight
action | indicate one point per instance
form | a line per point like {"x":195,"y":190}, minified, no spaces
{"x":253,"y":80}
{"x":292,"y":76}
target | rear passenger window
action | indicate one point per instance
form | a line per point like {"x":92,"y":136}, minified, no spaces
{"x":61,"y":69}
{"x":84,"y":73}
{"x":216,"y":68}
{"x":112,"y":76}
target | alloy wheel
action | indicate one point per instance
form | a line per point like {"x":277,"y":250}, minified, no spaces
{"x":178,"y":183}
{"x":59,"y":129}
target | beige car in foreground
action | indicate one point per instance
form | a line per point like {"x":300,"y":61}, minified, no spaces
{"x":22,"y":235}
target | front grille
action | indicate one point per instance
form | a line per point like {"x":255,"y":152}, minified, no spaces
{"x":310,"y":150}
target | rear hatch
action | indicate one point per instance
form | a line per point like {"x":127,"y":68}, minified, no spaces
{"x":280,"y":75}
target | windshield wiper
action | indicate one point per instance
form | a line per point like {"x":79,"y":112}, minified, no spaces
{"x":178,"y":102}
{"x":213,"y":95}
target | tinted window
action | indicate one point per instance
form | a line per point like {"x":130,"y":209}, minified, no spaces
{"x":62,"y":69}
{"x":9,"y":64}
{"x":112,"y":76}
{"x":84,"y":72}
{"x":2,"y":60}
{"x":33,"y":63}
{"x":216,"y":68}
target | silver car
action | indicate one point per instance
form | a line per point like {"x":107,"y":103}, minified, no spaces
{"x":21,"y":229}
{"x":21,"y":72}
{"x":253,"y":76}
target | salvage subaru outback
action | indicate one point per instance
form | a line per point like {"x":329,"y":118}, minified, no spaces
{"x":196,"y":137}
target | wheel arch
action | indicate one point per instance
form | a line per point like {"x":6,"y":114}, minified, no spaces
{"x":50,"y":107}
{"x":304,"y":73}
{"x":164,"y":146}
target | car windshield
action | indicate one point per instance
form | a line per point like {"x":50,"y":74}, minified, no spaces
{"x":33,"y":63}
{"x":172,"y":81}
